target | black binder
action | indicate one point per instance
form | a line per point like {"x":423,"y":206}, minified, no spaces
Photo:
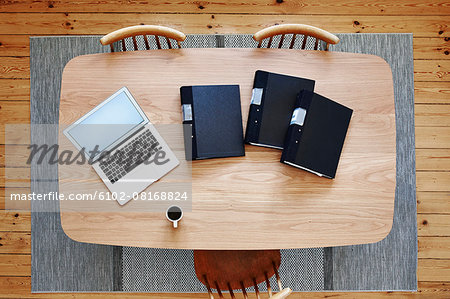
{"x":273,"y":101}
{"x":316,"y":134}
{"x":213,"y":121}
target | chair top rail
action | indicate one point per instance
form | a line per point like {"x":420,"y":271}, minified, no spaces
{"x":296,"y":29}
{"x":142,"y":30}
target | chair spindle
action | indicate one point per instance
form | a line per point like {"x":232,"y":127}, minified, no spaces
{"x":244,"y":292}
{"x":218,"y":290}
{"x":168,"y":43}
{"x":292,"y":41}
{"x":305,"y":38}
{"x":147,"y":45}
{"x":316,"y":44}
{"x":270,"y":42}
{"x":231,"y":291}
{"x":280,"y":44}
{"x":208,"y":287}
{"x":158,"y":42}
{"x":134,"y":43}
{"x":256,"y":289}
{"x":269,"y":289}
{"x":280,"y":286}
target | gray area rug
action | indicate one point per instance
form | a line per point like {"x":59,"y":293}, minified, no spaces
{"x":62,"y":265}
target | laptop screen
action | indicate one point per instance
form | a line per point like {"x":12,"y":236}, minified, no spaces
{"x":106,"y":124}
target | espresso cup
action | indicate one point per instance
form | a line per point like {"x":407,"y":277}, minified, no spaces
{"x":174,"y":214}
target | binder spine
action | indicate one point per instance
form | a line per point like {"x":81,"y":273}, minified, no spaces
{"x":291,"y":143}
{"x":295,"y":130}
{"x":189,"y":134}
{"x":256,"y":108}
{"x":254,"y":117}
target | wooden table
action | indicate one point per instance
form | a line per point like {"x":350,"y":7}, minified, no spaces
{"x":251,"y":202}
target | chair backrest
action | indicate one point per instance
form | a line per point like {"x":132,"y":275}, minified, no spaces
{"x":238,"y":269}
{"x":294,"y":29}
{"x":143,"y":30}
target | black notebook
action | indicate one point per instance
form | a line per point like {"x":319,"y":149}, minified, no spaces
{"x":273,"y":101}
{"x":214,"y":115}
{"x":316,"y":134}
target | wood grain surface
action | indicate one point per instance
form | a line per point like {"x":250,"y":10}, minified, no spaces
{"x":245,"y":200}
{"x":347,"y":7}
{"x":101,"y":23}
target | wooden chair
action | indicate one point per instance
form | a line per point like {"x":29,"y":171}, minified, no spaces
{"x":143,"y":30}
{"x":238,"y":269}
{"x":294,"y":29}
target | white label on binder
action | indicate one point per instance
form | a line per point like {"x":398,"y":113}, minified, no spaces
{"x":187,"y":112}
{"x":298,"y":117}
{"x":257,"y":96}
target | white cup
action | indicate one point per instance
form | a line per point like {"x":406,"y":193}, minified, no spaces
{"x":174,"y":214}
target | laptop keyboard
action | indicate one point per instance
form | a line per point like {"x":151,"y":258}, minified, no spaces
{"x":142,"y":147}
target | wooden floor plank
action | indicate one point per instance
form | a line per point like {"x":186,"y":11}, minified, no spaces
{"x":15,"y":242}
{"x":15,"y":133}
{"x":347,"y":7}
{"x":432,"y":92}
{"x":434,"y":270}
{"x":432,"y":225}
{"x":433,"y":202}
{"x":15,"y":221}
{"x":433,"y":289}
{"x":15,"y":265}
{"x":14,"y":122}
{"x":5,"y":194}
{"x":432,"y":137}
{"x":101,"y":23}
{"x":433,"y":159}
{"x":432,"y":115}
{"x":432,"y":70}
{"x":14,"y":67}
{"x":2,"y":156}
{"x":434,"y":247}
{"x":14,"y":45}
{"x":431,"y":48}
{"x":15,"y":89}
{"x":433,"y":181}
{"x":14,"y":156}
{"x":20,"y":287}
{"x":15,"y":112}
{"x":14,"y":177}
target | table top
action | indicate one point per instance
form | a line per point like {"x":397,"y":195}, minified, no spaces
{"x":251,"y":202}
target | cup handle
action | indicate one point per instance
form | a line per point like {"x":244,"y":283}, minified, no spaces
{"x":175,"y":224}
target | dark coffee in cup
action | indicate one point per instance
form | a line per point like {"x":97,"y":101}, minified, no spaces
{"x":174,"y":214}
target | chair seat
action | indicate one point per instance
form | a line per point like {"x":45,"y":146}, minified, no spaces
{"x":228,"y":268}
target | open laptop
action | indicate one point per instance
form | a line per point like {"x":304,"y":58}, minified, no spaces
{"x":122,"y":145}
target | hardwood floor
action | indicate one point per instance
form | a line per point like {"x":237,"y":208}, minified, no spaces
{"x":427,"y":20}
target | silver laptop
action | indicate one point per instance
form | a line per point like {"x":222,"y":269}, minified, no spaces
{"x":122,"y":145}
